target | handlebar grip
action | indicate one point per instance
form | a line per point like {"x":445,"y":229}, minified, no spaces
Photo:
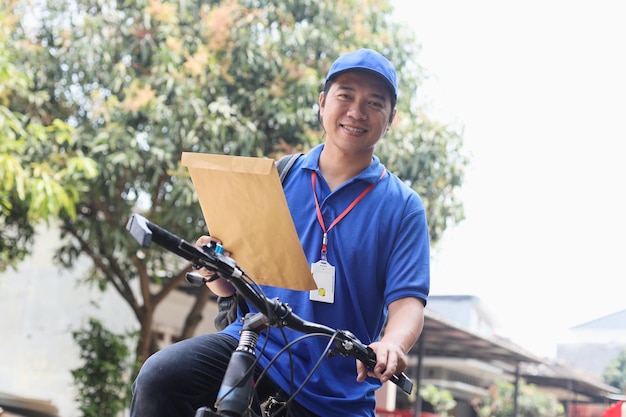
{"x":403,"y":381}
{"x":146,"y":232}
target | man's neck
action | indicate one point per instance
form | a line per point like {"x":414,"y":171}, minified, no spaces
{"x":338,"y":167}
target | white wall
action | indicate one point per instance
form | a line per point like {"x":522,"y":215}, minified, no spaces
{"x":40,"y":306}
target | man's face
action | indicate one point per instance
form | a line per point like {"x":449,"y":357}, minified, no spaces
{"x":356,"y":112}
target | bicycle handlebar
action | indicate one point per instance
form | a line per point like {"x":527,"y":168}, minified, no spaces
{"x":279,"y":313}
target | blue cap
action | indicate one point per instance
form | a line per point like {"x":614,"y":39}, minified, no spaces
{"x":368,"y":60}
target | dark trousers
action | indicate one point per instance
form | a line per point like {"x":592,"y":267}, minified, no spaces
{"x":177,"y":380}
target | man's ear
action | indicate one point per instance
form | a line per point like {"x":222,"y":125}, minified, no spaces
{"x":321,"y":99}
{"x":391,"y":117}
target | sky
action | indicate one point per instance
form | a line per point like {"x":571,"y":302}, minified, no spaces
{"x":539,"y":89}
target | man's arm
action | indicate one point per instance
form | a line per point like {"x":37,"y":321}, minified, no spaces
{"x":405,"y":322}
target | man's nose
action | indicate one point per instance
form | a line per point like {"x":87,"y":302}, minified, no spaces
{"x":357,"y":110}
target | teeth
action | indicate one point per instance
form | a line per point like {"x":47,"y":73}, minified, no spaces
{"x":354,"y":129}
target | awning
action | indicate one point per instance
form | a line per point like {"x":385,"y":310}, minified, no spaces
{"x":442,"y":337}
{"x":14,"y":405}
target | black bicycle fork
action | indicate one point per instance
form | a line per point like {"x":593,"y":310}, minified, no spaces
{"x":236,"y":390}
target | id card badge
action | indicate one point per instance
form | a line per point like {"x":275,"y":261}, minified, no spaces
{"x":324,"y":276}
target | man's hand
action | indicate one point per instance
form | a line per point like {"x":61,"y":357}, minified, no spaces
{"x":404,"y":325}
{"x":390,"y":360}
{"x":219,"y":287}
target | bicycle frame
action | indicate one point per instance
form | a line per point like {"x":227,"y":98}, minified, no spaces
{"x":236,"y":389}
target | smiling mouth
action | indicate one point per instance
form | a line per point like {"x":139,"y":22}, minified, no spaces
{"x":353,"y":129}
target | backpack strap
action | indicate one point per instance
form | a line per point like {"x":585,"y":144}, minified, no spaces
{"x":285,"y":163}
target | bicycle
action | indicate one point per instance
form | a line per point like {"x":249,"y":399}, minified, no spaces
{"x":237,"y":388}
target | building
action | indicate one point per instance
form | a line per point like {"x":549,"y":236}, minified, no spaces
{"x":465,"y":362}
{"x":592,"y":345}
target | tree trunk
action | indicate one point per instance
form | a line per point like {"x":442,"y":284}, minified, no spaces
{"x":194,"y":317}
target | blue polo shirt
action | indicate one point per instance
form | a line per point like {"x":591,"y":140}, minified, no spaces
{"x":381,"y":253}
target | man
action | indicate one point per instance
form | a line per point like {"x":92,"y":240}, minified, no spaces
{"x":365,"y":234}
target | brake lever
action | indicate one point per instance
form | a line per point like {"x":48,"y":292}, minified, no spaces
{"x":348,"y":345}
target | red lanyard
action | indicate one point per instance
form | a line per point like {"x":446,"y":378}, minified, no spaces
{"x":320,"y":219}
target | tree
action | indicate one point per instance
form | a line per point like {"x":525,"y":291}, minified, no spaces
{"x":500,"y":402}
{"x":102,"y":380}
{"x":144,"y":81}
{"x":441,"y":400}
{"x":615,"y":371}
{"x":42,"y":172}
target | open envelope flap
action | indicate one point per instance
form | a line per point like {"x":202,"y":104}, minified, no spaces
{"x":243,"y":204}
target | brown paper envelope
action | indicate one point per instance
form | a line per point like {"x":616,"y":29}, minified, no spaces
{"x":244,"y":206}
